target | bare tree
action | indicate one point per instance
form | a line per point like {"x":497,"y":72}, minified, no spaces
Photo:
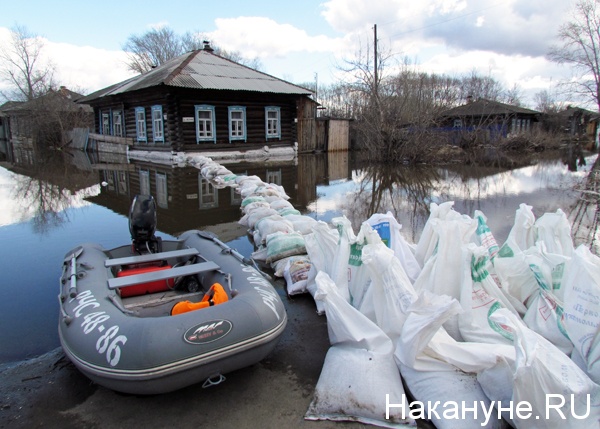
{"x":22,"y":66}
{"x":580,"y":49}
{"x":157,"y":46}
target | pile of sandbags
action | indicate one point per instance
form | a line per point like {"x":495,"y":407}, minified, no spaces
{"x":483,"y":335}
{"x":477,"y":328}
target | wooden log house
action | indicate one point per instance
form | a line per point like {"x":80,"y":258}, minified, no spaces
{"x":200,"y":101}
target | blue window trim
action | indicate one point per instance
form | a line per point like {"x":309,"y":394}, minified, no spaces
{"x":137,"y":126}
{"x":204,"y":107}
{"x":232,"y":109}
{"x":158,"y":108}
{"x":109,"y":113}
{"x":272,"y":109}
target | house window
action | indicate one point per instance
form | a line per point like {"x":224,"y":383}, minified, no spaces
{"x":272,"y":122}
{"x":237,"y":123}
{"x":118,"y":123}
{"x":458,"y":123}
{"x":157,"y":124}
{"x":209,"y":196}
{"x":105,"y":123}
{"x":140,"y":123}
{"x":144,"y":182}
{"x":205,"y":123}
{"x":161,"y":191}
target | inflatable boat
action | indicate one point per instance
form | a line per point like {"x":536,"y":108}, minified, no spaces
{"x":157,"y":315}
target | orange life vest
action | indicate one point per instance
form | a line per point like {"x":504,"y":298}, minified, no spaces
{"x":215,"y":295}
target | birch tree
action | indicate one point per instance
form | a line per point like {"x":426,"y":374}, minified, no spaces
{"x":580,"y":49}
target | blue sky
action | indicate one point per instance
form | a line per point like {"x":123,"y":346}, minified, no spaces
{"x":309,"y":40}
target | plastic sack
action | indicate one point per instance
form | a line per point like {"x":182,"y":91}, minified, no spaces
{"x":321,"y":245}
{"x":439,"y":370}
{"x":388,"y":229}
{"x":440,"y":274}
{"x":281,"y":245}
{"x":302,"y":224}
{"x":359,"y":369}
{"x":542,"y":376}
{"x":484,"y":234}
{"x":545,"y":312}
{"x":554,"y":230}
{"x":269,"y":225}
{"x":581,"y":284}
{"x":428,"y":241}
{"x":296,"y":274}
{"x":480,"y":298}
{"x":393,"y":292}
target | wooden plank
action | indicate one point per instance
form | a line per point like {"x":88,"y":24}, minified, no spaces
{"x":150,"y":257}
{"x":184,"y":270}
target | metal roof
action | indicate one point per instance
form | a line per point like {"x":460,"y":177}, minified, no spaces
{"x":202,"y":69}
{"x":484,"y":107}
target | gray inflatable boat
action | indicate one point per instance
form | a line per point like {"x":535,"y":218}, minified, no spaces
{"x":117,"y":321}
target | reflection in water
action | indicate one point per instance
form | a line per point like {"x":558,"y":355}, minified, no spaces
{"x":585,"y":212}
{"x":61,"y":204}
{"x":50,"y":184}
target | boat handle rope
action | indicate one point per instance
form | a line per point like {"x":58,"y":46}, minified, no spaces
{"x":213,"y":381}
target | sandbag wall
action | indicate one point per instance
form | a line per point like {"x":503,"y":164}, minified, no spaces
{"x":460,"y":318}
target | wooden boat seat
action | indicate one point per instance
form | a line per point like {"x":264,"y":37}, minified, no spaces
{"x":153,"y":276}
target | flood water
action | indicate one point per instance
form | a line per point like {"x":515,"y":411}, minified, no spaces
{"x":55,"y":201}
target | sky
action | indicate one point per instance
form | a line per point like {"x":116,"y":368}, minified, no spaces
{"x":310,"y":40}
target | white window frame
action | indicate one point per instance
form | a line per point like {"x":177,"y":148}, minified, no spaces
{"x":273,"y":124}
{"x":117,"y":116}
{"x":158,"y":131}
{"x":105,"y":123}
{"x":144,"y":182}
{"x":237,"y":126}
{"x":205,"y":135}
{"x":162,"y":195}
{"x":140,"y":124}
{"x":209,"y":194}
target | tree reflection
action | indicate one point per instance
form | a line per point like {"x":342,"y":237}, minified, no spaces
{"x":584,"y":213}
{"x":46,"y":186}
{"x":403,"y":190}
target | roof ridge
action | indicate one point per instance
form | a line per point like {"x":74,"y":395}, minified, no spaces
{"x":181,"y":66}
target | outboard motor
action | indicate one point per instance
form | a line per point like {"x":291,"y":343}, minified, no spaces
{"x":142,"y":224}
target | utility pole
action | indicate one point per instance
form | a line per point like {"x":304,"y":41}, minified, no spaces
{"x":375,"y":89}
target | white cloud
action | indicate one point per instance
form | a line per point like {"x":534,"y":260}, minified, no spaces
{"x":263,"y":37}
{"x":87,"y":68}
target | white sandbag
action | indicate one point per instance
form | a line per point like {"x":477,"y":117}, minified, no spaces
{"x":448,"y":399}
{"x":545,"y":378}
{"x":480,"y":298}
{"x":441,"y":371}
{"x":545,"y":312}
{"x":393,"y":292}
{"x":484,"y":234}
{"x":554,"y":230}
{"x":249,"y":207}
{"x":271,"y":224}
{"x":339,"y":267}
{"x":279,"y":265}
{"x":301,"y":223}
{"x":281,"y":204}
{"x":320,"y":247}
{"x":440,"y":274}
{"x":581,"y":285}
{"x":281,"y":245}
{"x":359,"y":370}
{"x":514,"y":273}
{"x":296,"y":274}
{"x":523,"y":233}
{"x":428,"y":240}
{"x":388,"y":229}
{"x":256,"y":215}
{"x":251,"y":199}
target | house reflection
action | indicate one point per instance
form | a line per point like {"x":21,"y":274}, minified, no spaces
{"x":186,"y":200}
